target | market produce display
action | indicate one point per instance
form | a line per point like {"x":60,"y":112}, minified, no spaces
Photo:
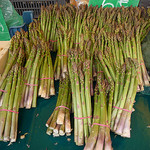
{"x":97,"y":48}
{"x":108,"y":41}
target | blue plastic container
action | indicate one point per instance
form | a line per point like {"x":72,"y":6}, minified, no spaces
{"x":27,"y":19}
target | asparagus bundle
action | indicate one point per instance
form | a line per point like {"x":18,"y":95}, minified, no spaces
{"x":100,"y":132}
{"x":118,"y":69}
{"x":39,"y":76}
{"x":30,"y":88}
{"x":16,"y":54}
{"x":46,"y":85}
{"x":48,"y":23}
{"x":122,"y":110}
{"x":79,"y":67}
{"x":10,"y":95}
{"x":59,"y":122}
{"x":65,"y":39}
{"x":64,"y":42}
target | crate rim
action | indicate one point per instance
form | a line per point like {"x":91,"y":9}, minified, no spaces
{"x":32,"y":0}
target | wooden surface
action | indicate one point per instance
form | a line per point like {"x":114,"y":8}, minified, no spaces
{"x":4,"y":45}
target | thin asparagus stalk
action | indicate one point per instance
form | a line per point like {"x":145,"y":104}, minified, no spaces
{"x":62,"y":130}
{"x":67,"y":116}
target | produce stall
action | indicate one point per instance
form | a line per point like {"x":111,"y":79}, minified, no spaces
{"x":78,"y":80}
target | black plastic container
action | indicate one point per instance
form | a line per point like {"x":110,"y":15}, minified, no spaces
{"x":144,"y":3}
{"x":34,"y":5}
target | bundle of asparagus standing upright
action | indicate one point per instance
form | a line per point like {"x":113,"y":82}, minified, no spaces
{"x":100,"y":131}
{"x":122,"y":71}
{"x":79,"y":66}
{"x":11,"y":89}
{"x":32,"y":66}
{"x":122,"y":109}
{"x":59,"y":122}
{"x":46,"y":77}
{"x":10,"y":100}
{"x":39,"y":76}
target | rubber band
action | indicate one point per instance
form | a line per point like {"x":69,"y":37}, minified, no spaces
{"x":9,"y":111}
{"x":123,"y":109}
{"x":45,"y":78}
{"x":83,"y":117}
{"x":103,"y":125}
{"x":53,"y":41}
{"x":63,"y":55}
{"x":88,"y":67}
{"x":3,"y":91}
{"x":141,"y":64}
{"x":77,"y":43}
{"x":100,"y":72}
{"x":31,"y":84}
{"x":62,"y":107}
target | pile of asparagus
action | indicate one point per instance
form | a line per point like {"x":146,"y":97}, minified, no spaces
{"x":92,"y":44}
{"x":111,"y":46}
{"x":71,"y":22}
{"x":59,"y":122}
{"x":24,"y":76}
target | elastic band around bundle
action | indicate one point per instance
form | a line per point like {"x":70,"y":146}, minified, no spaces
{"x":62,"y":107}
{"x":9,"y":111}
{"x":77,"y":43}
{"x":53,"y":41}
{"x":82,"y":117}
{"x":103,"y":125}
{"x":122,"y":109}
{"x":3,"y":91}
{"x":63,"y":55}
{"x":100,"y":72}
{"x":31,"y":84}
{"x":45,"y":78}
{"x":141,"y":64}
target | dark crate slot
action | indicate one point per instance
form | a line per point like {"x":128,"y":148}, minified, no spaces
{"x":34,"y":5}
